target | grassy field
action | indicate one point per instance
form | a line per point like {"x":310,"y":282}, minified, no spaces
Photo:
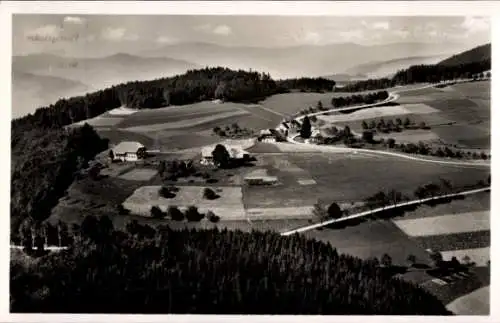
{"x":474,"y":303}
{"x":227,"y":206}
{"x":446,"y":224}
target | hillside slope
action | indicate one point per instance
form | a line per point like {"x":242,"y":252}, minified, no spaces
{"x":387,"y":68}
{"x":475,"y":55}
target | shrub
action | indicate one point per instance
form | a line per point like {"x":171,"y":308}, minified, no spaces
{"x":212,"y":180}
{"x":157,"y":213}
{"x":193,"y":215}
{"x":174,"y":213}
{"x":166,"y":192}
{"x":212,"y":217}
{"x":209,"y":194}
{"x":122,"y":210}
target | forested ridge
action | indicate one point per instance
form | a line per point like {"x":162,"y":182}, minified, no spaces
{"x":422,"y":74}
{"x":190,"y":87}
{"x":144,"y":270}
{"x":44,"y":164}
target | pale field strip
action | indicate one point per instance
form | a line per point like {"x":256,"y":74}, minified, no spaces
{"x":228,"y":206}
{"x":377,"y":112}
{"x":474,"y":303}
{"x":295,"y":212}
{"x":412,"y":136}
{"x":122,"y":111}
{"x":478,"y":255}
{"x":445,"y":224}
{"x":187,"y":123}
{"x":139,"y":174}
{"x":306,"y":182}
{"x":99,"y":122}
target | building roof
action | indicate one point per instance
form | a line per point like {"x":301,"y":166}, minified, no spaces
{"x":127,"y":147}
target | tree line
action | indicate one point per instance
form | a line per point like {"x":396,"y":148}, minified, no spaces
{"x":147,"y":270}
{"x":44,"y":164}
{"x":423,"y":74}
{"x":191,"y":87}
{"x":359,"y":99}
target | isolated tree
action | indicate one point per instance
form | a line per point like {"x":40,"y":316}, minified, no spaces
{"x":386,"y":260}
{"x":334,"y":211}
{"x":192,"y":214}
{"x":406,"y":123}
{"x":221,"y":156}
{"x":422,"y":125}
{"x":364,"y":125}
{"x":166,"y":192}
{"x":347,"y":132}
{"x":305,"y":129}
{"x":319,"y":211}
{"x":111,"y":155}
{"x":209,"y":194}
{"x":157,"y":213}
{"x":368,"y":136}
{"x":174,"y":213}
{"x":454,"y":262}
{"x":212,"y":217}
{"x":373,"y":124}
{"x":319,"y":106}
{"x":141,"y":153}
{"x":436,"y":257}
{"x":399,"y":122}
{"x":412,"y":259}
{"x":466,"y":259}
{"x":391,"y":143}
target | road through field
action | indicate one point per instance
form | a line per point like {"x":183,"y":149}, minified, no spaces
{"x":389,"y":207}
{"x":393,"y":96}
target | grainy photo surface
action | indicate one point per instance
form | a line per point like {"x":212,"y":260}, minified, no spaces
{"x":211,"y":164}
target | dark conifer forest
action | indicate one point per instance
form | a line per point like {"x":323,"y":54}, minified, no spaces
{"x":144,"y":270}
{"x":421,"y":74}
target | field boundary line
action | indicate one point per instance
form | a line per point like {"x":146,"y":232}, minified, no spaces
{"x":384,"y":208}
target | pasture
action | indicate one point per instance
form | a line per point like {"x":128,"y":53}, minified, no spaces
{"x":446,"y":224}
{"x":474,"y":303}
{"x":139,"y":174}
{"x":378,"y":112}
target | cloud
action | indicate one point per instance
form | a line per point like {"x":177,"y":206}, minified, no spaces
{"x":74,"y":20}
{"x":47,"y":31}
{"x":165,"y":40}
{"x":351,"y":35}
{"x":118,"y":34}
{"x":378,"y":25}
{"x":382,"y":25}
{"x":222,"y":30}
{"x":402,"y":33}
{"x":312,"y":37}
{"x":476,"y":24}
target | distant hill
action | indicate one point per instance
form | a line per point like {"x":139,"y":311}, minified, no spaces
{"x":474,"y":55}
{"x":103,"y":71}
{"x":387,"y":68}
{"x":41,"y":79}
{"x":299,"y":61}
{"x":30,"y":91}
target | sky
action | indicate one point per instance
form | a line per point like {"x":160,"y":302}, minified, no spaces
{"x":118,"y":33}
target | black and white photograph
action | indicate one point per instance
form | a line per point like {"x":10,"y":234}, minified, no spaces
{"x":250,"y":164}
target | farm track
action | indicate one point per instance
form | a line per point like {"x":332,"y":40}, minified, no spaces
{"x":393,"y":96}
{"x":385,"y":208}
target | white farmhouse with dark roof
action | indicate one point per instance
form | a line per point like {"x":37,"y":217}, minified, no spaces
{"x":128,"y":151}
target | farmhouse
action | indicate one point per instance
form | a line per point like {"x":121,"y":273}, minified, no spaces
{"x":129,"y":151}
{"x":269,"y":136}
{"x":283,"y":128}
